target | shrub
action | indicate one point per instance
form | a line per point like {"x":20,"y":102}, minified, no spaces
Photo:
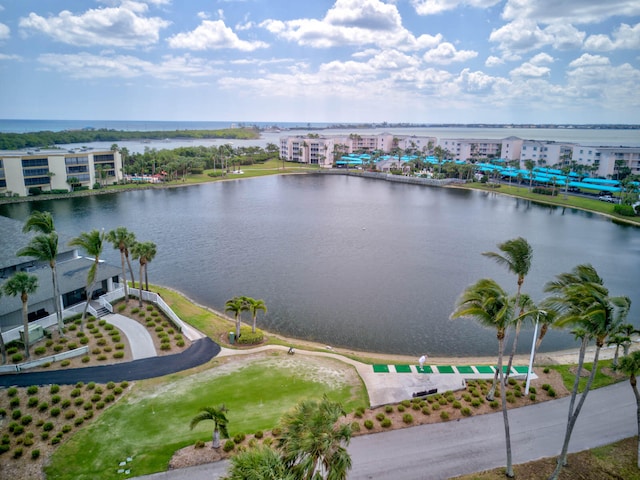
{"x":35,"y":454}
{"x":368,"y":424}
{"x":247,"y":337}
{"x":258,"y":434}
{"x":39,"y":350}
{"x":66,"y":403}
{"x":78,"y":421}
{"x":442,"y":401}
{"x":425,"y":410}
{"x":16,"y":414}
{"x":476,"y":402}
{"x":239,"y":438}
{"x":119,"y":346}
{"x":406,"y":403}
{"x":355,"y":427}
{"x":107,"y":349}
{"x":119,"y":354}
{"x":26,"y":420}
{"x":65,"y":363}
{"x":165,"y":346}
{"x":624,"y":210}
{"x":17,"y":453}
{"x":66,"y":429}
{"x":3,"y":412}
{"x":55,"y":440}
{"x":435,"y":406}
{"x":47,"y":427}
{"x":407,"y":418}
{"x":401,"y":408}
{"x":32,"y":402}
{"x":75,"y":392}
{"x":180,"y":343}
{"x":551,"y":392}
{"x":380,"y":416}
{"x":44,"y":435}
{"x":88,"y":414}
{"x":11,"y":392}
{"x":456,"y":404}
{"x":86,"y":359}
{"x":78,"y":401}
{"x":69,"y":414}
{"x":16,"y":357}
{"x":444,"y":415}
{"x":228,"y":446}
{"x":102,"y":357}
{"x":386,"y":423}
{"x":199,"y":444}
{"x":54,"y":412}
{"x":276,"y":432}
{"x":532,"y":397}
{"x":466,"y":411}
{"x":388,"y":408}
{"x":18,"y":429}
{"x":546,"y":386}
{"x":100,"y":405}
{"x":124,"y":384}
{"x":533,"y":390}
{"x":546,"y":370}
{"x":14,"y":402}
{"x":55,"y":399}
{"x":117,"y":390}
{"x":44,"y":406}
{"x":494,"y":404}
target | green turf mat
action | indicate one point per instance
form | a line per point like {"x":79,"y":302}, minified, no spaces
{"x":484,"y":369}
{"x":521,"y":369}
{"x":425,"y":369}
{"x":445,"y":369}
{"x":381,"y":368}
{"x":465,"y":369}
{"x":403,"y":368}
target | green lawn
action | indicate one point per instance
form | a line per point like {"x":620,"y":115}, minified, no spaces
{"x":600,"y":380}
{"x":152,"y":422}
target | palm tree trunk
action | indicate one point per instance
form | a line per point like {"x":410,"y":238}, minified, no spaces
{"x":237,"y":326}
{"x":57,"y":299}
{"x":615,"y":356}
{"x":25,"y":323}
{"x":634,"y":386}
{"x":140,"y":286}
{"x":133,"y":282}
{"x":215,"y":441}
{"x":3,"y":349}
{"x":146,"y":278}
{"x":513,"y":349}
{"x":573,"y":414}
{"x":505,"y":416}
{"x":124,"y":278}
{"x":253,"y":328}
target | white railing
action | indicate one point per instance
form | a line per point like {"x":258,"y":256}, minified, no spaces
{"x":161,"y":304}
{"x":50,"y":359}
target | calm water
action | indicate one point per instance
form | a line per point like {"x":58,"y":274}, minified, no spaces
{"x":353,"y":262}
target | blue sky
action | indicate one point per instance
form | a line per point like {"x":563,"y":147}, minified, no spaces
{"x":419,"y":61}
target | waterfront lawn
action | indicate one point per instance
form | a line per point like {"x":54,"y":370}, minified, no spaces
{"x":605,"y":375}
{"x":152,"y":421}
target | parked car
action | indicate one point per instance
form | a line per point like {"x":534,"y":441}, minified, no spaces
{"x":607,"y":198}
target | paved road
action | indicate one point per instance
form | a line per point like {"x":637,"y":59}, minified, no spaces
{"x":200,"y":351}
{"x":443,"y":450}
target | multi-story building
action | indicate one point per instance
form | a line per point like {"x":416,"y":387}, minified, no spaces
{"x":57,"y":170}
{"x":475,"y":149}
{"x":606,"y":161}
{"x":546,"y":153}
{"x":72,"y":276}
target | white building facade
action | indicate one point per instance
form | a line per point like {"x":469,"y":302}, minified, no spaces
{"x":57,"y":170}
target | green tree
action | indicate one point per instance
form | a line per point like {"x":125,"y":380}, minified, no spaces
{"x":584,"y":304}
{"x":259,"y":463}
{"x":122,"y":239}
{"x":530,"y":165}
{"x":219,"y":419}
{"x":254,"y":307}
{"x":630,"y":365}
{"x":621,"y":337}
{"x":144,"y":252}
{"x":313,"y":441}
{"x":22,"y":284}
{"x":44,"y":247}
{"x":91,"y":242}
{"x":488,"y":304}
{"x":237,"y":305}
{"x":516,"y":257}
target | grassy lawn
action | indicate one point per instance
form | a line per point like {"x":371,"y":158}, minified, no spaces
{"x":602,"y":378}
{"x":152,"y":421}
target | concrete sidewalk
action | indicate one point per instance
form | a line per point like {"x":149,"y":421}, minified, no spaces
{"x":140,"y":340}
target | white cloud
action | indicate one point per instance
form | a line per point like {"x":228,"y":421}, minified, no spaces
{"x":589,"y":60}
{"x":352,"y":22}
{"x":574,"y":12}
{"x":493,"y":61}
{"x":528,"y":69}
{"x":541,"y":58}
{"x":5,"y":32}
{"x":625,"y":37}
{"x":523,"y":35}
{"x":432,"y":7}
{"x":212,"y":34}
{"x":4,"y":56}
{"x":446,"y":53}
{"x":476,"y":82}
{"x":87,"y":65}
{"x":122,"y":26}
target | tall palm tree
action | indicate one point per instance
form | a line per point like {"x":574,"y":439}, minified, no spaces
{"x":488,"y":304}
{"x":313,"y":441}
{"x":44,"y":247}
{"x":630,"y":365}
{"x":144,"y":252}
{"x":621,"y":337}
{"x":91,"y":242}
{"x":122,"y":239}
{"x":254,"y":307}
{"x":237,"y":305}
{"x":22,"y":284}
{"x":516,"y":256}
{"x":41,"y":222}
{"x":584,"y":303}
{"x":218,"y":417}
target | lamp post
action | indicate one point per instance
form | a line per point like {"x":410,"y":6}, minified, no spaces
{"x":533,"y":352}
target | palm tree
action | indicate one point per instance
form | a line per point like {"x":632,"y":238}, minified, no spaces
{"x":22,"y":284}
{"x":630,"y":365}
{"x":217,"y":415}
{"x":44,"y":247}
{"x":254,"y":306}
{"x":122,"y":239}
{"x":621,"y":337}
{"x":313,"y":441}
{"x":41,"y":222}
{"x":237,"y":305}
{"x":516,"y":256}
{"x":261,"y":462}
{"x":92,"y":243}
{"x":584,"y":303}
{"x":144,"y":252}
{"x":530,"y":165}
{"x":488,"y":304}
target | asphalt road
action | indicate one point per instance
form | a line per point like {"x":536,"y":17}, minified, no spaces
{"x":200,"y":351}
{"x":443,"y":450}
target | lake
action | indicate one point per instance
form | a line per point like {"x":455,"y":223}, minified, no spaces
{"x":353,"y":262}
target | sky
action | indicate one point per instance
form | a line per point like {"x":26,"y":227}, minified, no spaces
{"x":340,"y":61}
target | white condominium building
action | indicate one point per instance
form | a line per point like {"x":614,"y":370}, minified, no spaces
{"x":48,"y":170}
{"x":606,"y":161}
{"x":476,"y":149}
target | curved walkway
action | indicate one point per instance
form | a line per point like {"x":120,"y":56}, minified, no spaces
{"x":140,"y":340}
{"x":200,"y":351}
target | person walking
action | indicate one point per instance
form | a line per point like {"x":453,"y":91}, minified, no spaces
{"x":421,"y":360}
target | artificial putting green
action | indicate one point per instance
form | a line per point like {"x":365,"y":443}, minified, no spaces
{"x":465,"y":369}
{"x":403,"y":368}
{"x":425,"y":369}
{"x":379,"y":368}
{"x":486,"y":369}
{"x":445,"y":369}
{"x":521,"y":369}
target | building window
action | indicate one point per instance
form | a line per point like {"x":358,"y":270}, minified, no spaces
{"x":35,"y":162}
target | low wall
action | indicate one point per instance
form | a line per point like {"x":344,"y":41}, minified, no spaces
{"x":50,"y":359}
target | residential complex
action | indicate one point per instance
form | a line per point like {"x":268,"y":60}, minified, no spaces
{"x":325,"y":151}
{"x":48,"y":170}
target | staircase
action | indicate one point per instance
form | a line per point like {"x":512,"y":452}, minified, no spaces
{"x":100,"y":310}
